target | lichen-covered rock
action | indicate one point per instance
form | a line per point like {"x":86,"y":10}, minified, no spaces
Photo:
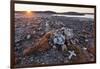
{"x":59,"y":39}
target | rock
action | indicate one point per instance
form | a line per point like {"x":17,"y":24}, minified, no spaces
{"x":17,"y":44}
{"x":82,"y":40}
{"x":31,"y":59}
{"x":64,"y":48}
{"x":43,"y":63}
{"x":27,"y":51}
{"x":59,"y":39}
{"x":68,"y":33}
{"x":82,"y":57}
{"x":73,"y":41}
{"x":86,"y":40}
{"x":84,"y":48}
{"x":92,"y":58}
{"x":72,"y":53}
{"x":47,"y":27}
{"x":54,"y":47}
{"x":41,"y":45}
{"x":66,"y":60}
{"x":28,"y":36}
{"x":34,"y":32}
{"x":92,"y":50}
{"x":18,"y":48}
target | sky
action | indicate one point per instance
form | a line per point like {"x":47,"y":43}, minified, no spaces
{"x":30,"y":7}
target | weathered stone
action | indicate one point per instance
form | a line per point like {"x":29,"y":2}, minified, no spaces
{"x":54,"y":47}
{"x":68,"y":33}
{"x":92,"y":50}
{"x":34,"y":32}
{"x":64,"y":48}
{"x":28,"y":36}
{"x":31,"y":59}
{"x":84,"y":48}
{"x":43,"y":63}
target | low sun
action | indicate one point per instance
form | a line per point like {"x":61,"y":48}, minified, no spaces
{"x":28,"y":11}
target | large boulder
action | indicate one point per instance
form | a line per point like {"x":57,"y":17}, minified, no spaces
{"x":41,"y":45}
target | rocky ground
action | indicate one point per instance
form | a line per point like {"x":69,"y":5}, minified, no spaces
{"x":28,"y":31}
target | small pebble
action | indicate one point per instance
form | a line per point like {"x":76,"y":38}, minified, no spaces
{"x":84,"y":48}
{"x":86,"y":40}
{"x":64,"y":48}
{"x":43,"y":63}
{"x":17,"y":44}
{"x":31,"y":58}
{"x":28,"y":36}
{"x":54,"y":47}
{"x":34,"y":32}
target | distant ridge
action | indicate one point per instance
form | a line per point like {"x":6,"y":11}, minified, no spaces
{"x":73,"y":13}
{"x":52,"y":12}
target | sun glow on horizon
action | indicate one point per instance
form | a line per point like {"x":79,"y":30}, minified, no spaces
{"x":29,"y":13}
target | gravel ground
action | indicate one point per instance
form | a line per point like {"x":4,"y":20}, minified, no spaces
{"x":29,"y":30}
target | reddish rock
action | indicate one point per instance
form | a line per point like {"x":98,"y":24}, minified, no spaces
{"x":82,"y":56}
{"x":92,"y":50}
{"x":42,"y":45}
